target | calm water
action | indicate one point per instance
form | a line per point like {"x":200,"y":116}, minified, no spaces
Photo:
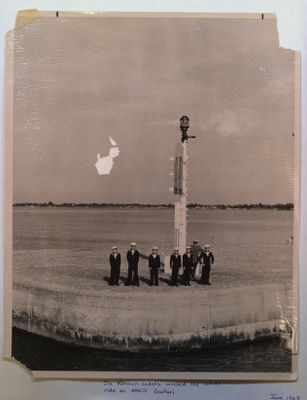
{"x":250,"y":246}
{"x":264,"y":356}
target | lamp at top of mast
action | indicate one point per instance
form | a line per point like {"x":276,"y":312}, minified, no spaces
{"x":184,"y":126}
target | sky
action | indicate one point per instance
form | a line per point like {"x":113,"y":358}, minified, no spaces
{"x":78,"y":81}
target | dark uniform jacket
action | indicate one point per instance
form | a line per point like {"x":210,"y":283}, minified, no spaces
{"x":133,"y":259}
{"x":115,"y":261}
{"x":195,"y":249}
{"x":187,"y":261}
{"x":154,"y":262}
{"x":206,"y":259}
{"x":175,"y":261}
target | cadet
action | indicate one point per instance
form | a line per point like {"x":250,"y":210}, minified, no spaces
{"x":187,"y":266}
{"x":133,"y":257}
{"x":206,"y":259}
{"x":196,"y":249}
{"x":115,"y":260}
{"x":154,"y":264}
{"x":175,"y":264}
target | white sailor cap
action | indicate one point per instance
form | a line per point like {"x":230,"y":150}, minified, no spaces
{"x":114,"y":248}
{"x":176,"y":248}
{"x":132,"y":244}
{"x":207,"y":246}
{"x":188,"y":247}
{"x":154,"y":247}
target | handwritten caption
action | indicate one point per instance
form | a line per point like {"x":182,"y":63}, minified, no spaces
{"x":162,"y":389}
{"x":158,"y":388}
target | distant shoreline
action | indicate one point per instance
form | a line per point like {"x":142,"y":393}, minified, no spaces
{"x":256,"y":206}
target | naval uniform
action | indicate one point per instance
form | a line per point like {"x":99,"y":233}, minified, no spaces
{"x":187,"y":268}
{"x":115,"y":261}
{"x":133,"y":257}
{"x":206,"y":258}
{"x":154,"y":264}
{"x":175,"y":264}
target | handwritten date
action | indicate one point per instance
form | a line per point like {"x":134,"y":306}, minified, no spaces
{"x":277,"y":396}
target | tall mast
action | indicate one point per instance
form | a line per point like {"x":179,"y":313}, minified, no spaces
{"x":180,"y":185}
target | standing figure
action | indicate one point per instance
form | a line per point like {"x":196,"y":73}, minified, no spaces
{"x":175,"y":264}
{"x":206,"y":259}
{"x":187,"y":266}
{"x":115,"y":260}
{"x":154,"y":264}
{"x":195,"y":249}
{"x":133,"y":257}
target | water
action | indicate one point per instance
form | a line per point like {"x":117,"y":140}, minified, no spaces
{"x":264,"y":356}
{"x":72,"y":245}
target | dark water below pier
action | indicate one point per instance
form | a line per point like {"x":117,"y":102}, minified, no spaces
{"x":39,"y":353}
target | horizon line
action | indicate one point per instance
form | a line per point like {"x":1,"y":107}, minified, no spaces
{"x":192,"y":204}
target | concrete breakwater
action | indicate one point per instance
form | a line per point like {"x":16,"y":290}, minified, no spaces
{"x":128,"y":320}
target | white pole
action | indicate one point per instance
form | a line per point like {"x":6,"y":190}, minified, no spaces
{"x":183,"y":199}
{"x":181,"y":205}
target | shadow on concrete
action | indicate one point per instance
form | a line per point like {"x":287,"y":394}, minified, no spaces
{"x":165,"y":280}
{"x":107,"y":279}
{"x":145,"y":280}
{"x":123,"y":279}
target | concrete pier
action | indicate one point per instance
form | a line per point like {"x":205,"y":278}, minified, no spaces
{"x":130,"y":320}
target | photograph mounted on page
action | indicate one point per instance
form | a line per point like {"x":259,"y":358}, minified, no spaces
{"x":152,"y":196}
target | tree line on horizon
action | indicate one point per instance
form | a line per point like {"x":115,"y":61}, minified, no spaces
{"x":278,"y":206}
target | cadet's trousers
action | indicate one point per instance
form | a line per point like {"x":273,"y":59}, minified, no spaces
{"x":186,"y":275}
{"x":205,"y":274}
{"x":154,"y":276}
{"x":174,"y":279}
{"x":133,"y":274}
{"x":115,"y":272}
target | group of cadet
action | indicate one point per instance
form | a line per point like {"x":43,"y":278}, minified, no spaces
{"x":193,"y":256}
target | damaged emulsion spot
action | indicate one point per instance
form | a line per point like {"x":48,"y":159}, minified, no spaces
{"x":104,"y":165}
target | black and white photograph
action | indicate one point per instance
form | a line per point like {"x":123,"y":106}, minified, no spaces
{"x":154,"y":164}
